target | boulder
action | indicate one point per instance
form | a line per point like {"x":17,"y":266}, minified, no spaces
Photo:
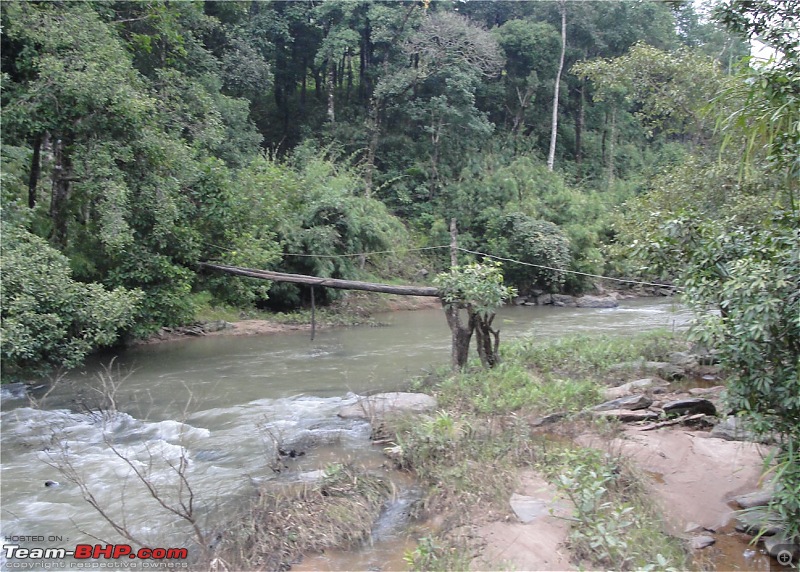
{"x":671,"y":371}
{"x":732,"y":429}
{"x":700,"y":542}
{"x":697,"y":391}
{"x":596,"y":302}
{"x":631,"y":403}
{"x":544,"y":299}
{"x":690,"y":406}
{"x":630,"y":387}
{"x":756,"y":498}
{"x":683,"y":359}
{"x":758,"y":520}
{"x":626,"y":415}
{"x":563,"y":300}
{"x":382,"y":404}
{"x":781,"y":548}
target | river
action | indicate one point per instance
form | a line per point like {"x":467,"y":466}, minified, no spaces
{"x":223,"y":405}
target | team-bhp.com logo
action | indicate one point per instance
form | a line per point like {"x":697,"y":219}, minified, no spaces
{"x":88,"y":551}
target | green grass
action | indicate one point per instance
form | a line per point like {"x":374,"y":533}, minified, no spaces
{"x":511,"y":387}
{"x":583,"y":355}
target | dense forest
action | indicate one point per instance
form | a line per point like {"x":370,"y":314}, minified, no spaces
{"x":141,"y":138}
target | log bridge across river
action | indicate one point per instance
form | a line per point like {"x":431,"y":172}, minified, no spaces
{"x":326,"y":282}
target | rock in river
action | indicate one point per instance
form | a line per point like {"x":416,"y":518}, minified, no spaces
{"x":381,"y":404}
{"x":632,"y":402}
{"x":690,"y":405}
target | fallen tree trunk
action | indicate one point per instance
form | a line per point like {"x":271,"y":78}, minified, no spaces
{"x":327,"y":282}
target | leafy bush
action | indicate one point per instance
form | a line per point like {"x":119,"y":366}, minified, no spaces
{"x":50,"y":320}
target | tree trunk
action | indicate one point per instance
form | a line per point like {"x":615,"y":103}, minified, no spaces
{"x":374,"y":128}
{"x":304,"y":86}
{"x":488,"y":341}
{"x":331,"y":86}
{"x":461,"y":335}
{"x":36,"y":170}
{"x":60,"y":193}
{"x":579,"y":121}
{"x":611,"y":140}
{"x":551,"y":157}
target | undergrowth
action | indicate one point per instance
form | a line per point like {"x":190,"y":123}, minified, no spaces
{"x":283,"y":524}
{"x":470,"y":452}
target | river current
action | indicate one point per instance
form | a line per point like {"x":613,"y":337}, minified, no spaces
{"x":223,"y":406}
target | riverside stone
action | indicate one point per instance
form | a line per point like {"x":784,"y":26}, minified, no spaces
{"x":754,"y":520}
{"x":690,"y":405}
{"x":630,"y":387}
{"x":596,"y":302}
{"x":626,"y":415}
{"x":632,"y":402}
{"x":756,"y":498}
{"x":732,"y":429}
{"x":700,"y":542}
{"x":381,"y":404}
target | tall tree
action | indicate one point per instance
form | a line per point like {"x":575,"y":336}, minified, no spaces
{"x":551,"y":156}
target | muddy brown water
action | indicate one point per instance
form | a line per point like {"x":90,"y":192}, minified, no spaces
{"x":224,"y":403}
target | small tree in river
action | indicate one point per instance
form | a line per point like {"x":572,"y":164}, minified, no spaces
{"x":478,"y":289}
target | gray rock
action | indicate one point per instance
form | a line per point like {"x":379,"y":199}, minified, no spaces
{"x":732,"y":429}
{"x":596,"y":302}
{"x":758,"y":520}
{"x":626,"y":415}
{"x":698,"y":391}
{"x":630,"y":387}
{"x":671,"y":372}
{"x":548,"y":419}
{"x":780,"y":547}
{"x":693,"y":527}
{"x":381,"y":404}
{"x":700,"y":542}
{"x":563,"y":300}
{"x":544,"y":299}
{"x":519,"y":300}
{"x":528,"y":509}
{"x":756,"y":498}
{"x":632,"y":402}
{"x":217,"y":326}
{"x":683,"y":359}
{"x":690,"y":406}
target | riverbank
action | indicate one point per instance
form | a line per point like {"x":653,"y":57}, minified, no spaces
{"x":510,"y":448}
{"x":354,"y":309}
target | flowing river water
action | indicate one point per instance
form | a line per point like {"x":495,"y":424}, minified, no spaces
{"x":224,"y":404}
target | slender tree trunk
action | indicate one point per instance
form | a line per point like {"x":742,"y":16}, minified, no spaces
{"x":374,"y":128}
{"x":331,"y":83}
{"x":349,"y":75}
{"x":611,"y":140}
{"x":551,"y":157}
{"x":304,"y":86}
{"x":36,"y":170}
{"x":579,"y":122}
{"x":60,"y":193}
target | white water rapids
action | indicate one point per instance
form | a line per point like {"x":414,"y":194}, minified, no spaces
{"x":223,"y":405}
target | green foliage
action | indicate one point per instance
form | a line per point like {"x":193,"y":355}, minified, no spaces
{"x":510,"y":387}
{"x":50,"y":321}
{"x":536,"y":242}
{"x":592,"y":356}
{"x":478,"y":287}
{"x":617,"y":526}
